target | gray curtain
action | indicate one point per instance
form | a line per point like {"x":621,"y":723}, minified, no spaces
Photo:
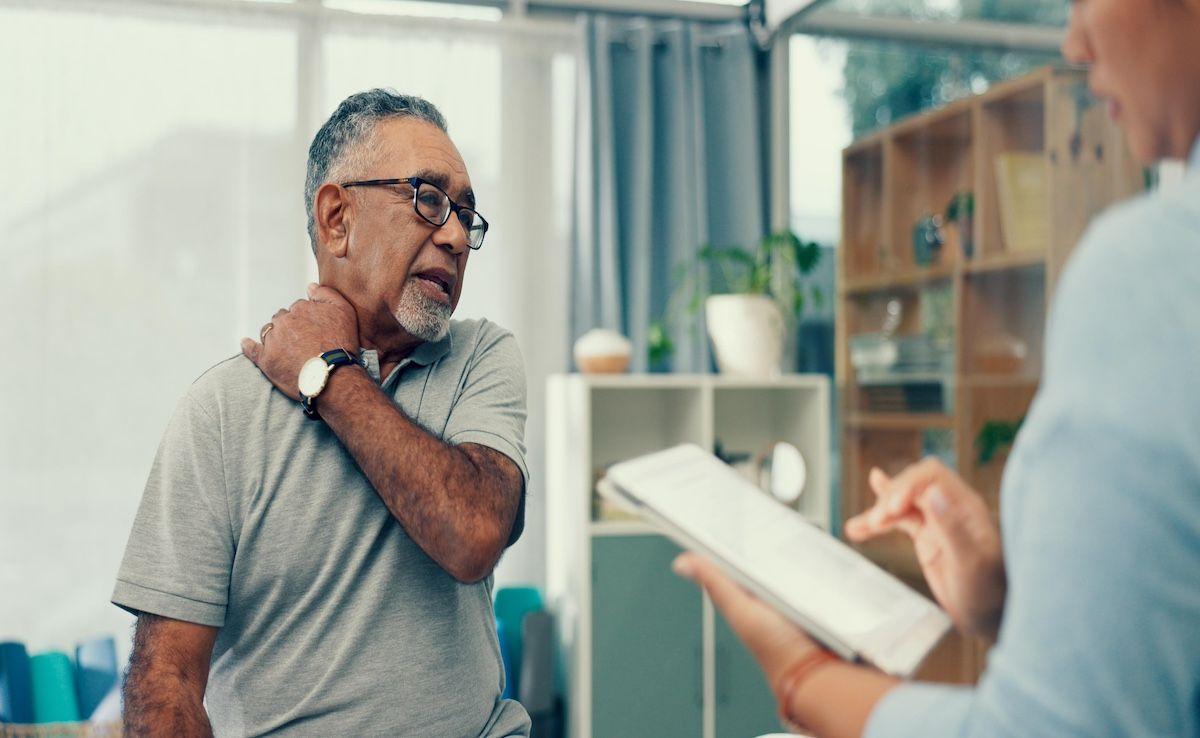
{"x":670,"y":159}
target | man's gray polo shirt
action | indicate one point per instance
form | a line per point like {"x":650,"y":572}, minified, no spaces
{"x":333,"y":622}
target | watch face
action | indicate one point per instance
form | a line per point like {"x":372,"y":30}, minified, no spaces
{"x":312,"y":376}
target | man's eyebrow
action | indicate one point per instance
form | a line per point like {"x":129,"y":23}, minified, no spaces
{"x":442,"y":181}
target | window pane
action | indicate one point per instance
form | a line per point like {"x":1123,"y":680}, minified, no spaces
{"x":1011,"y":11}
{"x":841,"y":90}
{"x":151,"y":209}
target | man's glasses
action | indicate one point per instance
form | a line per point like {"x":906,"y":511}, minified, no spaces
{"x":435,"y":206}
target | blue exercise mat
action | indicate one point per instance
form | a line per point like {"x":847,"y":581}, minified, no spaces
{"x":95,"y":673}
{"x":511,"y":606}
{"x":54,"y":699}
{"x":506,"y":659}
{"x":16,"y":685}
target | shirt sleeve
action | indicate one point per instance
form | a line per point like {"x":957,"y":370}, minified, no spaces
{"x":1100,"y":633}
{"x":490,"y":410}
{"x":180,"y":552}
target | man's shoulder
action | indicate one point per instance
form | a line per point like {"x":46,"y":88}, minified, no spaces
{"x":472,"y":337}
{"x":232,"y":380}
{"x":480,"y":346}
{"x":469,"y":331}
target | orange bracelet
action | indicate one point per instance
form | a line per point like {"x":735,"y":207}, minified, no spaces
{"x":795,"y":676}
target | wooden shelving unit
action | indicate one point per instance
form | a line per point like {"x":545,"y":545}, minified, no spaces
{"x":998,"y":291}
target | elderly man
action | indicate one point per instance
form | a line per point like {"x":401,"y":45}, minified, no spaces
{"x":313,"y":552}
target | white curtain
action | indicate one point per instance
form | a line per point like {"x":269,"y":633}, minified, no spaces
{"x":151,"y":214}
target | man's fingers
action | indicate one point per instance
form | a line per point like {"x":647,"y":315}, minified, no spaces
{"x":251,"y":349}
{"x":321,"y":293}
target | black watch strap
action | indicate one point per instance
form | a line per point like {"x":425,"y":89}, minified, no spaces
{"x":334,"y":358}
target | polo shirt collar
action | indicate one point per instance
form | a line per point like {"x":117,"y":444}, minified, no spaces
{"x":431,"y":351}
{"x":424,"y":355}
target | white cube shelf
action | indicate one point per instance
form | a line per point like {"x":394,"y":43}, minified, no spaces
{"x":595,"y":421}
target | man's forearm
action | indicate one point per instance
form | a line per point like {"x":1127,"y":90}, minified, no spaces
{"x":164,"y":686}
{"x":159,"y":705}
{"x":455,"y":511}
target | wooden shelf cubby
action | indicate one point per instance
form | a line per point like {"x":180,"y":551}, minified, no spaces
{"x":999,"y":287}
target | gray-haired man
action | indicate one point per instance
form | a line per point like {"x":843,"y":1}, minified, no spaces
{"x":324,"y":513}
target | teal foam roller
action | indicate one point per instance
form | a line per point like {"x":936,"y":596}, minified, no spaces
{"x":54,"y":699}
{"x":511,"y":606}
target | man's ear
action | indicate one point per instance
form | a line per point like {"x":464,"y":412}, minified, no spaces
{"x":331,"y":212}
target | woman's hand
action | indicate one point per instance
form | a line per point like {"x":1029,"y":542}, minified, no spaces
{"x":957,"y":543}
{"x":774,"y":641}
{"x":833,"y":699}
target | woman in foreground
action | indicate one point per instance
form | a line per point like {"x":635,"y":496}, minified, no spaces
{"x":1092,"y":594}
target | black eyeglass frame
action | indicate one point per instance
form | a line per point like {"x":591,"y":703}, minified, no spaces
{"x":415,"y":183}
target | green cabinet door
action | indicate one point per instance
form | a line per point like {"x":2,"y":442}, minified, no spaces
{"x":646,"y":641}
{"x":745,"y":705}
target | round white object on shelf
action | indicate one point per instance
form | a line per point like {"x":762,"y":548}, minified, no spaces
{"x":601,"y":351}
{"x":789,"y":472}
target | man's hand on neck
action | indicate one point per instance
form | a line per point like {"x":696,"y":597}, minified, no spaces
{"x":458,"y":503}
{"x":296,"y":334}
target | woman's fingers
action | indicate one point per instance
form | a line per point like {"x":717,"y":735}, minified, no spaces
{"x":864,"y":527}
{"x":895,"y":497}
{"x":901,"y":493}
{"x":773,"y":639}
{"x":725,"y":593}
{"x":878,"y":481}
{"x":949,"y":519}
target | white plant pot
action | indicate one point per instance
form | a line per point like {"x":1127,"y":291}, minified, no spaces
{"x":747,"y":334}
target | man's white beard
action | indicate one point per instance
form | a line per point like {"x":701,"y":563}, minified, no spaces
{"x":420,"y":316}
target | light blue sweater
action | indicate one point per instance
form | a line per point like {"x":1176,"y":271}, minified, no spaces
{"x":1100,"y":510}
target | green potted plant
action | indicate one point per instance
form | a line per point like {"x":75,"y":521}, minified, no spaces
{"x":748,"y":295}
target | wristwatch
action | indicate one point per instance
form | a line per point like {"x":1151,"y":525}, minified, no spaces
{"x":315,"y":373}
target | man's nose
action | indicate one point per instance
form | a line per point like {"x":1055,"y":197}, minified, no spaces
{"x":452,"y":236}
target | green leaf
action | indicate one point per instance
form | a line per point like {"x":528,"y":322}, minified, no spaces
{"x":798,"y":304}
{"x":807,"y":256}
{"x":994,"y":437}
{"x":658,"y":343}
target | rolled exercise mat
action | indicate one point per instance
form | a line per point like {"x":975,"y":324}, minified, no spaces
{"x":506,"y":660}
{"x":53,"y":688}
{"x":511,"y":605}
{"x":16,"y":686}
{"x":537,"y":663}
{"x":95,"y":673}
